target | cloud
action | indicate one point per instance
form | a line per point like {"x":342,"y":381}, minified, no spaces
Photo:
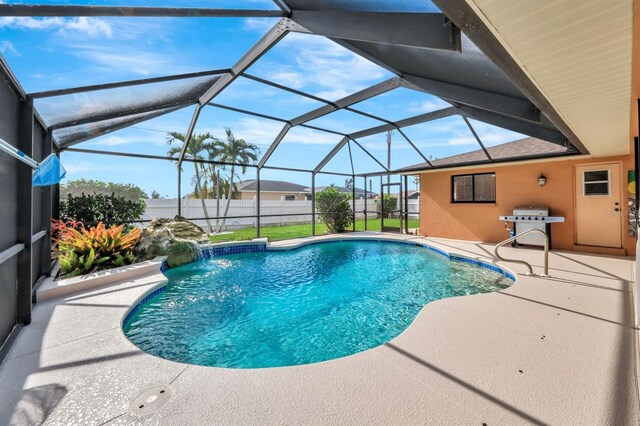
{"x":132,"y":137}
{"x":325,"y":68}
{"x":429,"y":105}
{"x":92,"y":27}
{"x":263,"y":133}
{"x":124,"y":58}
{"x":7,"y":47}
{"x":261,"y":25}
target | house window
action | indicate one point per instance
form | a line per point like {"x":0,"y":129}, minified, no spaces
{"x":289,"y":197}
{"x":596,"y":182}
{"x":476,"y":188}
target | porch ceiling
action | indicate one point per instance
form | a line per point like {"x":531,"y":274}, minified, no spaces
{"x":578,"y":55}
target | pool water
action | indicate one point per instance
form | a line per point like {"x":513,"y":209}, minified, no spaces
{"x":312,"y":304}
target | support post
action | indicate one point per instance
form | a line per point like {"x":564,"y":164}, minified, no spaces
{"x":46,"y":213}
{"x":406,"y":204}
{"x":381,"y":205}
{"x":366,"y":200}
{"x":25,"y":212}
{"x":313,"y":204}
{"x":353,"y":200}
{"x":55,"y":195}
{"x":258,"y":202}
{"x":179,"y":190}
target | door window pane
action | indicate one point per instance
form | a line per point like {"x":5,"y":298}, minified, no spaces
{"x":596,"y":182}
{"x":596,"y":176}
{"x":601,"y":188}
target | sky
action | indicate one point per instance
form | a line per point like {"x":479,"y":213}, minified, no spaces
{"x":53,"y":53}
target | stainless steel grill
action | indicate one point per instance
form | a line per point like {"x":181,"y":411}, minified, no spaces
{"x":526,"y":218}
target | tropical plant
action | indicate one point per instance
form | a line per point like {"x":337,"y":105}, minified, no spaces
{"x":334,"y":209}
{"x":82,"y":251}
{"x":234,"y":151}
{"x":199,"y":144}
{"x":83,"y":186}
{"x":93,"y":208}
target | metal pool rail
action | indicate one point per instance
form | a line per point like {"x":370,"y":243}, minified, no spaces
{"x":546,"y":250}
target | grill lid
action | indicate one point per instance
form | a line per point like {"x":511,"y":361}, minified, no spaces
{"x":531,"y":211}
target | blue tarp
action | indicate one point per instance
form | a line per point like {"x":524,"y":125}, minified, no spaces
{"x":49,"y":172}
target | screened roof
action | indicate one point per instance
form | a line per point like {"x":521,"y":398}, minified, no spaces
{"x":424,"y":79}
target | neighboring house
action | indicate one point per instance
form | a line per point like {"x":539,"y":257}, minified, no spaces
{"x":272,"y":190}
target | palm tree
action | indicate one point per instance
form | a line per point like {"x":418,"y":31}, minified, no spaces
{"x":233,"y":151}
{"x":198,"y":145}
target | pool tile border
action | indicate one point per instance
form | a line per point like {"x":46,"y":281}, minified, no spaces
{"x":209,"y":252}
{"x":142,"y":302}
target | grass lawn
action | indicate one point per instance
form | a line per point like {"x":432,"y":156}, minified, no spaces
{"x":276,"y":233}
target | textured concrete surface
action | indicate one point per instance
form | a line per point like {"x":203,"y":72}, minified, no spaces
{"x":556,"y":350}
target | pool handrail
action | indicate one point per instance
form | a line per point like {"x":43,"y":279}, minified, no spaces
{"x":528,"y":265}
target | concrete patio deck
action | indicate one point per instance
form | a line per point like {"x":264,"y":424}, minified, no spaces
{"x":554,"y":350}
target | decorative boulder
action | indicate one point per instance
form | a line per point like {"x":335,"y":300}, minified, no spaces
{"x":182,"y":252}
{"x":162,"y":234}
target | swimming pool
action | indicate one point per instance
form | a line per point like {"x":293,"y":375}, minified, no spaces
{"x":315,"y":303}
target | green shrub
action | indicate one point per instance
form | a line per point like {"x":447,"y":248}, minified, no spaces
{"x":390,"y":204}
{"x":94,"y":208}
{"x":82,"y":186}
{"x":334,"y":209}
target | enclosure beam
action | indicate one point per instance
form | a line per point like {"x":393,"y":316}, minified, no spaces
{"x":160,"y":157}
{"x":406,"y":138}
{"x":475,"y":135}
{"x":283,"y":6}
{"x":513,"y":124}
{"x":25,"y":214}
{"x":331,"y":154}
{"x":133,"y":11}
{"x":418,"y":119}
{"x":354,"y":98}
{"x":118,"y":114}
{"x":465,"y":17}
{"x":422,"y":30}
{"x":507,"y":105}
{"x":128,"y":83}
{"x":270,"y":39}
{"x":423,"y":118}
{"x":94,"y":134}
{"x":370,"y":155}
{"x":274,"y":145}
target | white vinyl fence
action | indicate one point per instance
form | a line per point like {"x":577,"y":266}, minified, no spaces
{"x":271,"y":212}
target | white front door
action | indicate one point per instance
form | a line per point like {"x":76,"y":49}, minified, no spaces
{"x":598,"y":208}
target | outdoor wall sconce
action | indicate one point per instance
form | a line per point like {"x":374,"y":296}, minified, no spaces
{"x":542,"y":180}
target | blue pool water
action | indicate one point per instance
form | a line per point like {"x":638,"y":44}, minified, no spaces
{"x":312,"y":304}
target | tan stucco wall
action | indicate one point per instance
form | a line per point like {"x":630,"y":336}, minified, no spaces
{"x":270,"y":196}
{"x":516,"y":185}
